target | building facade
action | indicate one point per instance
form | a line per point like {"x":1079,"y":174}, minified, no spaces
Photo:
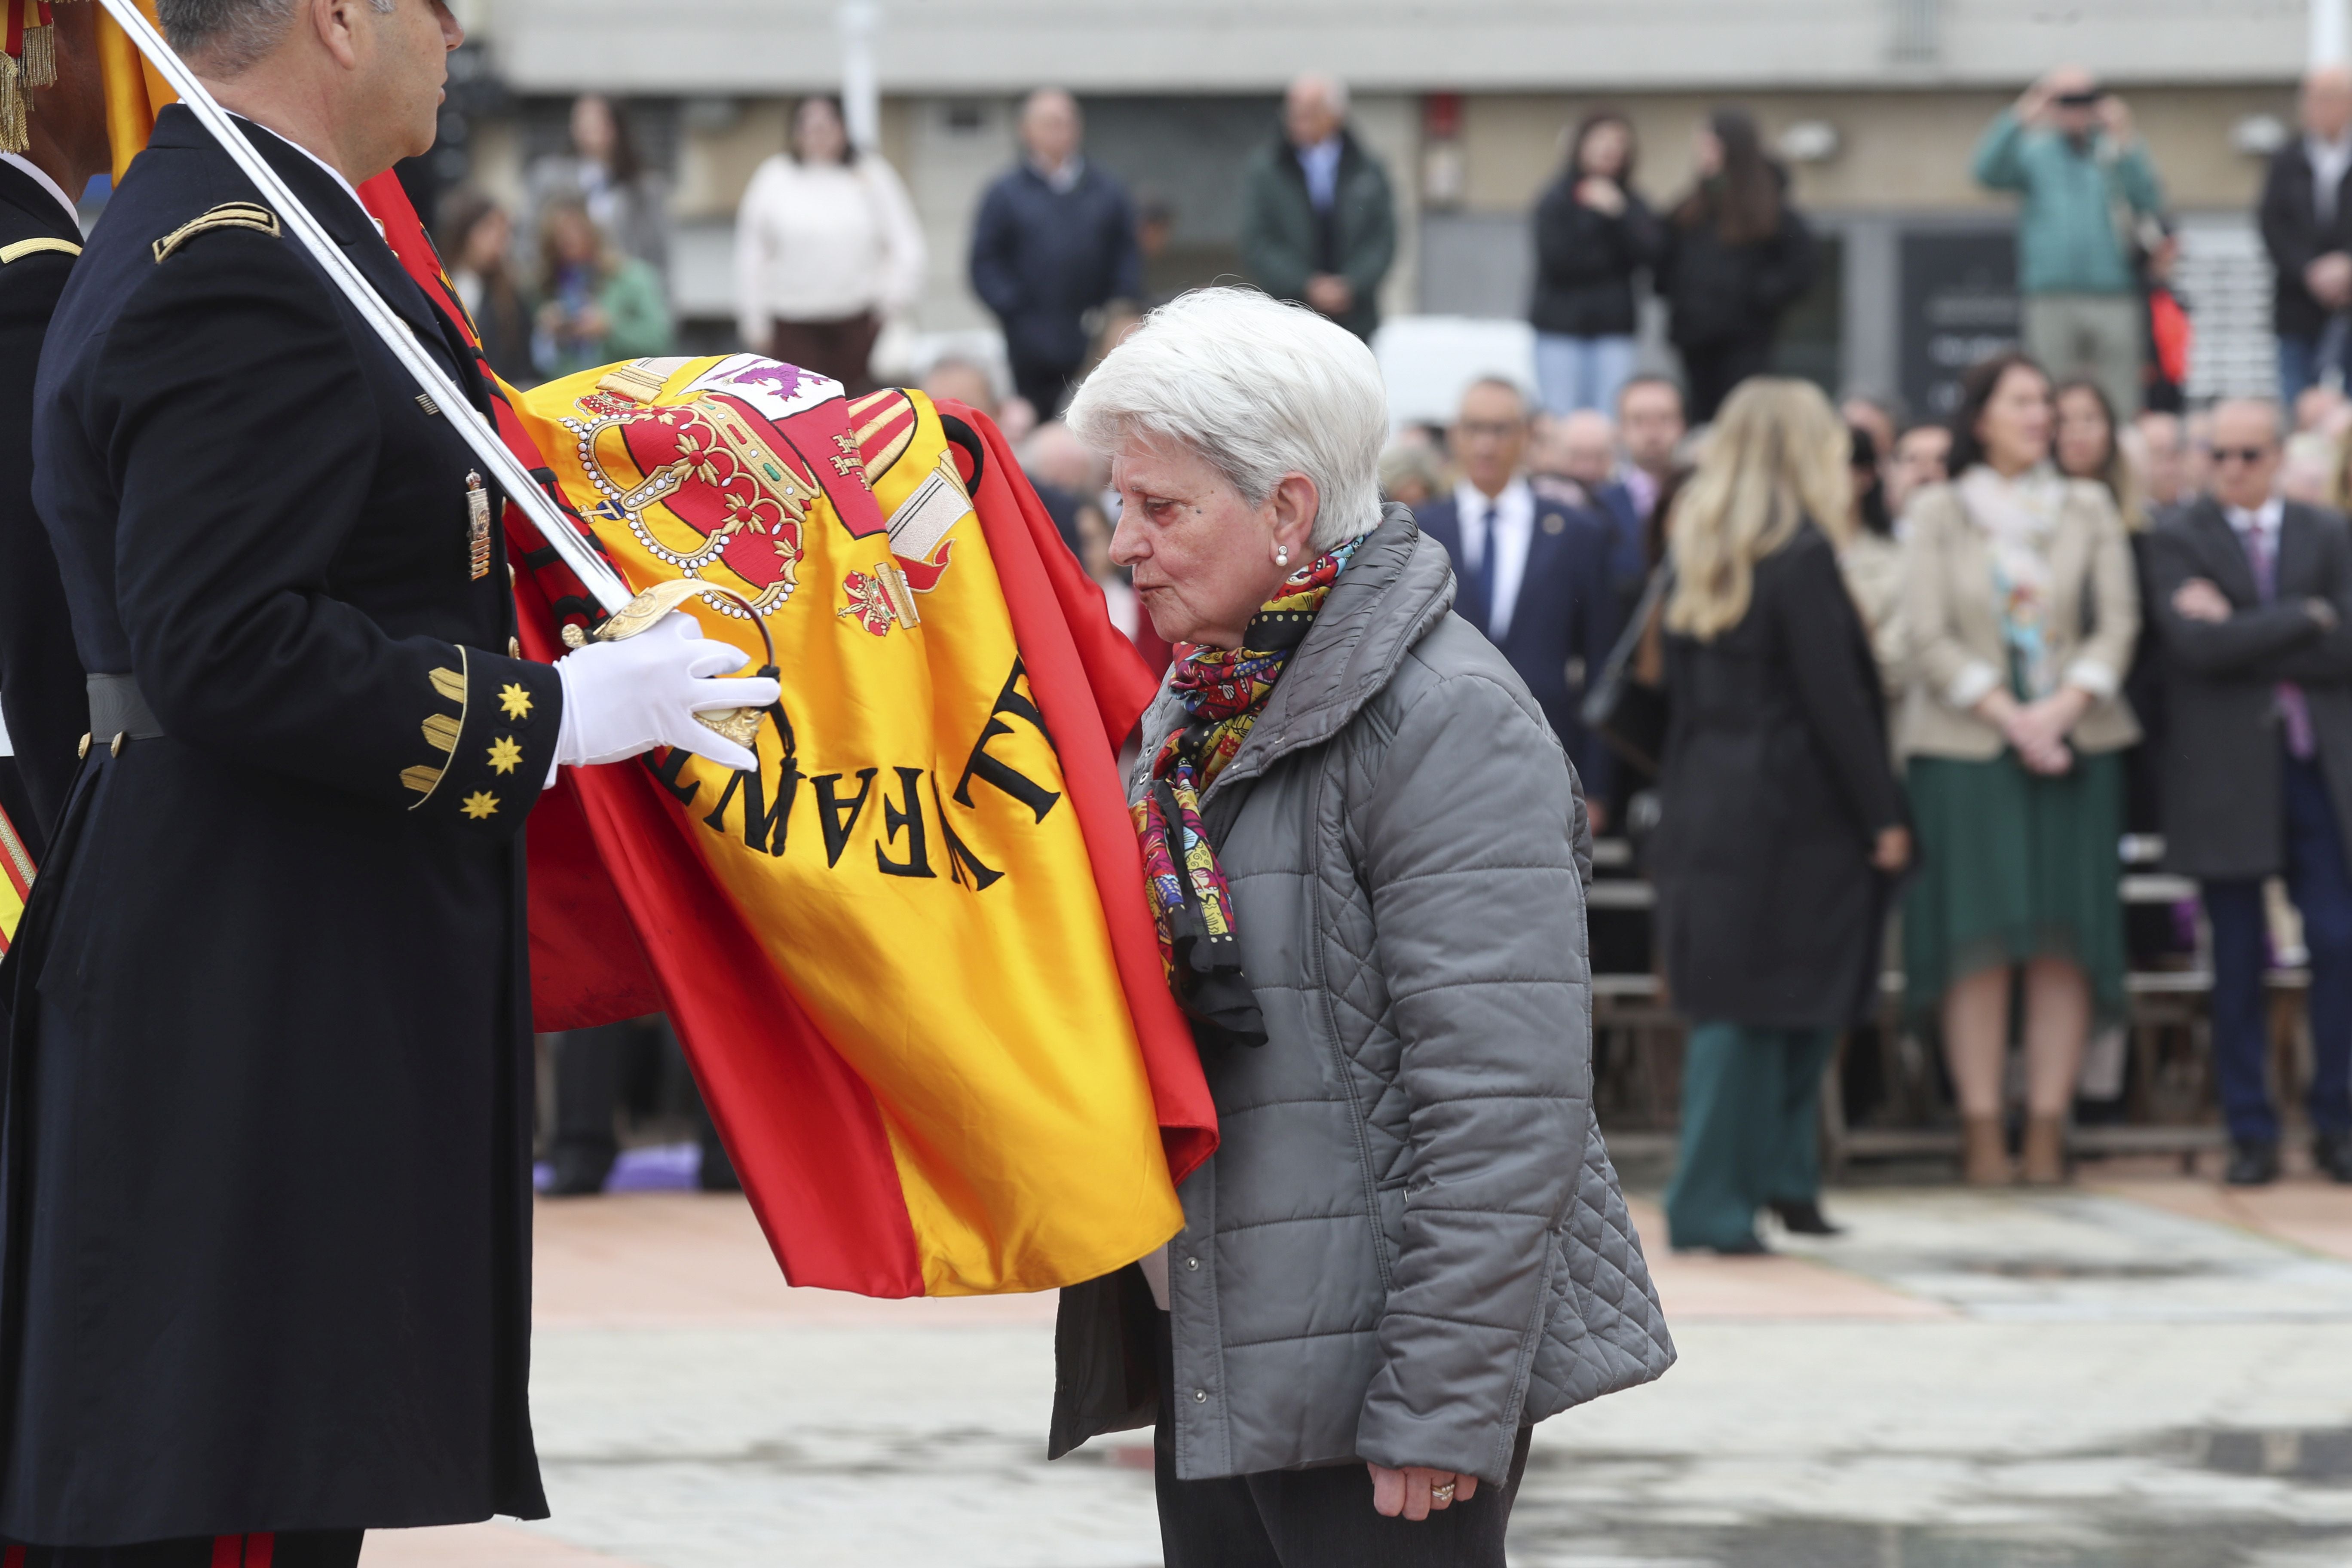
{"x":1876,"y":104}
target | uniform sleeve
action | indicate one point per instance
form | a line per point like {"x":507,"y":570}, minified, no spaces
{"x":241,"y":437}
{"x":1470,"y":856}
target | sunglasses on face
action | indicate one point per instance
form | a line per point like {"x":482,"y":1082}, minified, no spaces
{"x":2247,"y":455}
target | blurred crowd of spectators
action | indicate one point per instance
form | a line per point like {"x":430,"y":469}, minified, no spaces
{"x":1940,"y":667}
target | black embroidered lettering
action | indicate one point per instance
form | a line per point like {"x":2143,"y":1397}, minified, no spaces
{"x":836,"y":818}
{"x":990,"y":770}
{"x":667,"y":769}
{"x":917,"y":862}
{"x":763,"y":827}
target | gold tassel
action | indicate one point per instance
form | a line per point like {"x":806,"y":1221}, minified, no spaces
{"x":40,"y":62}
{"x":15,"y":135}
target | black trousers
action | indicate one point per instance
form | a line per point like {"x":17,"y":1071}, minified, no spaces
{"x":1321,"y":1518}
{"x":300,"y":1549}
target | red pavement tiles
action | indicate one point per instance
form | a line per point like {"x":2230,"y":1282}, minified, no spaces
{"x":476,"y":1546}
{"x":2307,"y":1213}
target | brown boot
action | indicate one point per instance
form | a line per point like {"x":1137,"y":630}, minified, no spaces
{"x":2045,"y":1151}
{"x":1984,"y":1157}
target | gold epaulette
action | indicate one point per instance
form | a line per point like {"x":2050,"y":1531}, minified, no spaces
{"x":229,"y":215}
{"x":23,"y":248}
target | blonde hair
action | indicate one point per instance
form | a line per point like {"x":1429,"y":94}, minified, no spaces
{"x":1776,"y":456}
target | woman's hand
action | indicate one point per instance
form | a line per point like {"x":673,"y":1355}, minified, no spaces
{"x":1416,"y":1491}
{"x":1892,"y":850}
{"x":2040,"y":726}
{"x":2042,"y":752}
{"x":1601,"y":196}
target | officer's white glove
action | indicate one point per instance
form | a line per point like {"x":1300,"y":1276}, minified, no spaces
{"x":626,"y":697}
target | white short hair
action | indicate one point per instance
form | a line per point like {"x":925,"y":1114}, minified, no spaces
{"x":1260,"y":389}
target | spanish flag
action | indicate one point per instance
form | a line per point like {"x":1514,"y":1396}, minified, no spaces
{"x":910,"y":955}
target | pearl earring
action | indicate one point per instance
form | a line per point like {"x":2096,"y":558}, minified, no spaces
{"x":1282,"y":555}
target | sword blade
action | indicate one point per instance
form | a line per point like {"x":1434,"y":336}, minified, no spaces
{"x":479,"y":435}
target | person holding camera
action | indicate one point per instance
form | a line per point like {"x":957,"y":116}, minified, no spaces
{"x":2068,"y":148}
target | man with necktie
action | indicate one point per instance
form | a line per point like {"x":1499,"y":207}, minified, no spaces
{"x":1533,"y":572}
{"x":2253,"y":595}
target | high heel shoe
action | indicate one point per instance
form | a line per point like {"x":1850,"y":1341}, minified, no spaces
{"x":1803,"y":1216}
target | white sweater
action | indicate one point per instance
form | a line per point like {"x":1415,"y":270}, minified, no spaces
{"x":818,"y":242}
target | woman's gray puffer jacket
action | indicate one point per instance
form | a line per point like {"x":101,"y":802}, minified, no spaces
{"x":1410,"y":1242}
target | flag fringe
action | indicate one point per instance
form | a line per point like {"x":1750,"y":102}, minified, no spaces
{"x":15,"y":136}
{"x":40,"y":63}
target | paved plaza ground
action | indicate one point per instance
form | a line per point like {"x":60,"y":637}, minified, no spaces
{"x":2144,"y":1371}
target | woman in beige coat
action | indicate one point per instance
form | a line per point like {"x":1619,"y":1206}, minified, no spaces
{"x":2021,"y":610}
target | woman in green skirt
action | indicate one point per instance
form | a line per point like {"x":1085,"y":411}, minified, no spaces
{"x":2021,"y":610}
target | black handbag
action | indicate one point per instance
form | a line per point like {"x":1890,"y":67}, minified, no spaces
{"x":1625,"y":712}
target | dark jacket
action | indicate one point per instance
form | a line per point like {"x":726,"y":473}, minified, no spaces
{"x":267,"y":1205}
{"x":1410,"y":1241}
{"x":1041,"y":258}
{"x":1585,"y":262}
{"x":2221,"y":744}
{"x":1563,"y":625}
{"x":41,"y":692}
{"x":1718,"y":293}
{"x":2295,"y":237}
{"x":1283,"y":241}
{"x":1775,"y":783}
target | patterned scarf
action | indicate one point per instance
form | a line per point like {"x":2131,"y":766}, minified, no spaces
{"x":2017,"y":517}
{"x":1223,"y":691}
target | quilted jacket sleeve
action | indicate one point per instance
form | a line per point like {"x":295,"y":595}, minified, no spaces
{"x":1468,"y":852}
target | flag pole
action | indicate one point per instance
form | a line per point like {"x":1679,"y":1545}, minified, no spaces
{"x":593,"y":569}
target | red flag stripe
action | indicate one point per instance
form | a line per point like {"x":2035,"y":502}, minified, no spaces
{"x":1085,"y":674}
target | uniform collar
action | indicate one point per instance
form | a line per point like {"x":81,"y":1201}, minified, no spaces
{"x":332,"y":172}
{"x":40,"y":177}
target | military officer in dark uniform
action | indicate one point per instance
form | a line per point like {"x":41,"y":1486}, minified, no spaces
{"x":65,"y":147}
{"x":265,"y":1201}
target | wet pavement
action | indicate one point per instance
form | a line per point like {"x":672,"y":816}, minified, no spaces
{"x":2144,"y":1373}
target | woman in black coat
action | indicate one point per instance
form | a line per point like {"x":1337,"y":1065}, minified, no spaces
{"x":1735,"y":257}
{"x":1781,"y":818}
{"x":1592,"y":235}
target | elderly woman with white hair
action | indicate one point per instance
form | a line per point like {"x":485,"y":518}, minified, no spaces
{"x":1366,"y":855}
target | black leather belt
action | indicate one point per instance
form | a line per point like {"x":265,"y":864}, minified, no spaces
{"x":117,"y":712}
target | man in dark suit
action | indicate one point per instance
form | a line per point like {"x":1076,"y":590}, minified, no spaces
{"x":41,"y":696}
{"x":1533,"y":574}
{"x":1055,"y":240}
{"x":2306,"y":222}
{"x":2252,"y":596}
{"x":265,"y":1209}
